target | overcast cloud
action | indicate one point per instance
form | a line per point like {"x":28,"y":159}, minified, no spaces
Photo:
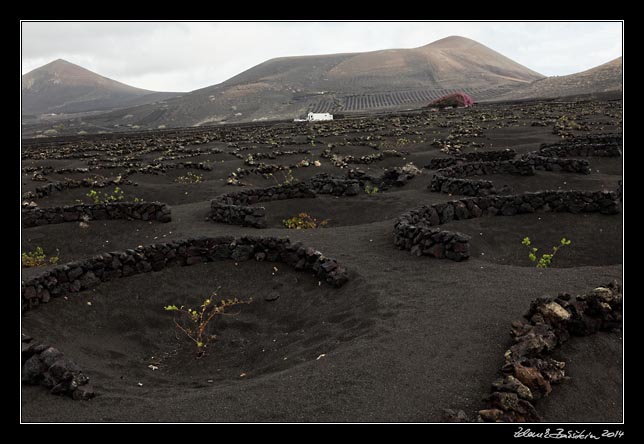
{"x":179,"y":56}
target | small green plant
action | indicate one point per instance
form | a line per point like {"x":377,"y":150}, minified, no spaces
{"x":402,"y":141}
{"x":194,"y":322}
{"x":371,"y":189}
{"x":304,"y":221}
{"x":546,"y":259}
{"x":38,"y":258}
{"x":287,"y":178}
{"x":94,"y":195}
{"x":99,"y":197}
{"x":190,"y":177}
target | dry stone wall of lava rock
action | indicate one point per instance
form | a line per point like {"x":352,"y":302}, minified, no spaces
{"x":147,"y":211}
{"x":417,"y":230}
{"x":82,"y":275}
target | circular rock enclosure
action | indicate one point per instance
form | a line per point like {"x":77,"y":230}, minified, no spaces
{"x":46,"y":365}
{"x":78,"y":276}
{"x":415,"y":230}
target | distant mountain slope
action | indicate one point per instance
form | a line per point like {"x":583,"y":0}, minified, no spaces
{"x":287,"y":87}
{"x":290,"y":86}
{"x":63,"y":87}
{"x":601,"y":79}
{"x":453,"y":62}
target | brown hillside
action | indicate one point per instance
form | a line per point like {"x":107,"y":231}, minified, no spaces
{"x":63,"y":87}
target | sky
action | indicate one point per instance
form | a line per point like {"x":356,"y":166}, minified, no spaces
{"x":184,"y":56}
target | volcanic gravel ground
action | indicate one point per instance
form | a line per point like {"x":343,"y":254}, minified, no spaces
{"x":404,"y":339}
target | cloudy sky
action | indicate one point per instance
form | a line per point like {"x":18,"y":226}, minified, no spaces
{"x":180,"y":56}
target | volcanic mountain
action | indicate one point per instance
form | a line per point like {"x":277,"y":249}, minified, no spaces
{"x":63,"y":87}
{"x":286,"y":87}
{"x":602,"y":79}
{"x":453,"y":62}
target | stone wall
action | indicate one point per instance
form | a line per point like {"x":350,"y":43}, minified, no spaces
{"x":451,"y":180}
{"x":579,"y":166}
{"x":74,"y":277}
{"x":235,"y":208}
{"x":66,"y":184}
{"x":442,"y":162}
{"x":415,"y":230}
{"x":251,"y":159}
{"x":529,"y":372}
{"x":48,"y":366}
{"x":391,"y":177}
{"x":596,"y":145}
{"x":476,"y":156}
{"x":162,"y":168}
{"x":263,"y":169}
{"x":580,"y":150}
{"x":147,"y":211}
{"x":343,"y":161}
{"x":324,"y":183}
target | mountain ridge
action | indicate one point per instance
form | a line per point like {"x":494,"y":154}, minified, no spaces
{"x":381,"y":80}
{"x":64,"y":87}
{"x":603,"y":78}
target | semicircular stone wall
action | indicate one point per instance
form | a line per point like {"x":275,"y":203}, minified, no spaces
{"x":417,"y":231}
{"x":236,"y":208}
{"x":82,"y":275}
{"x":451,"y":179}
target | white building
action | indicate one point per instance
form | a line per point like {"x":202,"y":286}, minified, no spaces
{"x":313,"y":117}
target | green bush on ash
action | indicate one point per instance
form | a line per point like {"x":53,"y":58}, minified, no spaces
{"x":117,"y":195}
{"x":371,"y":189}
{"x":190,"y":177}
{"x":546,"y":259}
{"x":99,"y":197}
{"x":37,"y":258}
{"x":304,"y":221}
{"x":287,"y":178}
{"x":402,"y":141}
{"x":194,"y":322}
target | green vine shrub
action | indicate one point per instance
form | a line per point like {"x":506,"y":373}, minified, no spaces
{"x":546,"y":258}
{"x":37,"y":258}
{"x":99,"y":197}
{"x":194,"y":322}
{"x":304,"y":221}
{"x":371,"y":189}
{"x":190,"y":177}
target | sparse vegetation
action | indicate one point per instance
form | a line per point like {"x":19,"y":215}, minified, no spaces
{"x":287,"y":178}
{"x":194,"y":322}
{"x":371,"y":189}
{"x":37,"y":258}
{"x":190,"y":177}
{"x":546,"y":259}
{"x":304,"y":221}
{"x":402,"y":141}
{"x":100,"y":197}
